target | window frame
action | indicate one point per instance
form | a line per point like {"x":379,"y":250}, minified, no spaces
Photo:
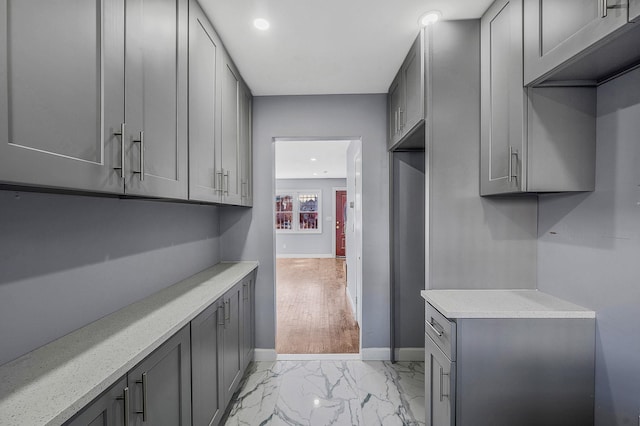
{"x":295,"y":195}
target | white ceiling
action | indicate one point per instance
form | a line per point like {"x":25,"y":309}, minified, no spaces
{"x":294,"y":159}
{"x":325,"y":46}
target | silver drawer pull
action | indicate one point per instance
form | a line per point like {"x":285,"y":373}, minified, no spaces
{"x":125,"y":399}
{"x":442,"y":394}
{"x":435,"y":330}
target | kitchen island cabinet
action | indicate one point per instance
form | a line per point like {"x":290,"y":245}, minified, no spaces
{"x":507,"y":357}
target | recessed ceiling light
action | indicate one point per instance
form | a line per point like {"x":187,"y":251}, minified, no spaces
{"x":315,"y":174}
{"x":313,"y":159}
{"x":429,"y":18}
{"x":261,"y":24}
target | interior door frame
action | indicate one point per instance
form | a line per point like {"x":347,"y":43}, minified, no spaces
{"x":334,"y":191}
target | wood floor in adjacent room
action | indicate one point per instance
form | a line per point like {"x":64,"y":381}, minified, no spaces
{"x":314,"y":313}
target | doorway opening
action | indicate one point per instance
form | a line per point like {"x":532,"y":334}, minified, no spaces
{"x":317,"y":248}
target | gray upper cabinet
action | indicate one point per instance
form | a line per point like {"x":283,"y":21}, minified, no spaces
{"x":156,"y":98}
{"x":246,"y":146}
{"x":160,"y":386}
{"x":557,"y":31}
{"x":230,"y":169}
{"x":502,"y":96}
{"x":206,"y":357}
{"x":406,"y":95}
{"x":61,"y":93}
{"x":205,"y":179}
{"x":394,"y":99}
{"x":106,"y":410}
{"x":634,"y":10}
{"x":62,"y":112}
{"x":535,"y":139}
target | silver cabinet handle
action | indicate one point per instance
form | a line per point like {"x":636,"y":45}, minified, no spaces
{"x":227,"y":311}
{"x":401,"y":115}
{"x":435,"y":330}
{"x":512,"y":153}
{"x":245,"y":291}
{"x":218,"y":185}
{"x":125,"y":398}
{"x":221,"y":316}
{"x":395,"y":124}
{"x":442,"y":374}
{"x":121,"y":134}
{"x":143,"y":382}
{"x":226,"y":181}
{"x":141,"y":142}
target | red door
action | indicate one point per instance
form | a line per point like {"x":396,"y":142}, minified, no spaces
{"x":341,"y":217}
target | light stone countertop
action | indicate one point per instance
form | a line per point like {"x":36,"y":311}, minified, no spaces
{"x":50,"y":384}
{"x":502,"y":304}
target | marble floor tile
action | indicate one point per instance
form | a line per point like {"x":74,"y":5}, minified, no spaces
{"x":315,"y":393}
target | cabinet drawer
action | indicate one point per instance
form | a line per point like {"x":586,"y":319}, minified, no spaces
{"x":441,"y":330}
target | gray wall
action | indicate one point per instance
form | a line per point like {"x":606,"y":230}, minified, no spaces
{"x":315,"y":244}
{"x":250,"y":235}
{"x":474,"y":242}
{"x":589,"y":250}
{"x":408,"y":248}
{"x":68,"y":260}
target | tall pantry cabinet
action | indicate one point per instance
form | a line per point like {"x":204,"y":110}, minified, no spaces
{"x":78,"y":111}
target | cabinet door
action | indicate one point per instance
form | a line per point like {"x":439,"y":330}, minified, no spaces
{"x":156,"y":98}
{"x":634,"y":10}
{"x":206,"y":347}
{"x":439,"y":387}
{"x":413,"y":77}
{"x":230,"y":134}
{"x":246,"y":147}
{"x":231,"y":357}
{"x":502,"y":98}
{"x":61,"y":93}
{"x":106,"y":410}
{"x":248,"y":320}
{"x":160,"y":386}
{"x":394,"y":100}
{"x":556,"y":31}
{"x":204,"y":49}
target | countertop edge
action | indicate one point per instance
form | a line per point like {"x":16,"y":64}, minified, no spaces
{"x":28,"y":378}
{"x":577,"y":313}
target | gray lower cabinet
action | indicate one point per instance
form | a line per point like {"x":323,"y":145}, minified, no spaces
{"x":106,"y":410}
{"x":532,"y":139}
{"x":206,"y":360}
{"x":61,"y":93}
{"x":557,"y":31}
{"x":222,"y":343}
{"x":231,"y":341}
{"x":248,"y":320}
{"x":634,"y":10}
{"x":160,"y":386}
{"x":156,"y":392}
{"x":509,"y":371}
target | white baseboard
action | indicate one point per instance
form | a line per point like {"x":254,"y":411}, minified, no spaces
{"x":375,"y":354}
{"x":304,"y":256}
{"x":409,"y":354}
{"x":265,"y":355}
{"x":318,"y":357}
